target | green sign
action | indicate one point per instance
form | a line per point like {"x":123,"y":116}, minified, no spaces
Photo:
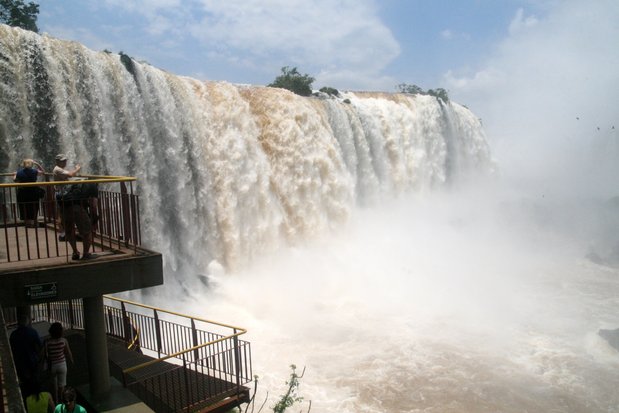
{"x":41,"y":291}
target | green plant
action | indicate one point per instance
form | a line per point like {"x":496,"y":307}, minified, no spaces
{"x":127,"y":61}
{"x":439,"y":93}
{"x":412,"y":89}
{"x":291,"y":397}
{"x":330,"y":91}
{"x":19,"y":14}
{"x":294,"y":81}
{"x":285,"y":401}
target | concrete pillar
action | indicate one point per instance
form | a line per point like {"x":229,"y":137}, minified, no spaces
{"x":96,"y":345}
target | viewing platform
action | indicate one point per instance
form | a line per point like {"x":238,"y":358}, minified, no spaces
{"x":36,"y":263}
{"x":129,"y":356}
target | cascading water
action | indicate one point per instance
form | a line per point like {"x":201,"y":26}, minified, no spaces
{"x":226,"y":172}
{"x":430,"y":301}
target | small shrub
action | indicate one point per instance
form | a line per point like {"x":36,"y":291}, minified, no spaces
{"x":330,"y":91}
{"x":294,"y":81}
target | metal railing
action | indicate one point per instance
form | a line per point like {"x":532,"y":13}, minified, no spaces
{"x":114,"y":214}
{"x":206,"y":365}
{"x":198,"y":361}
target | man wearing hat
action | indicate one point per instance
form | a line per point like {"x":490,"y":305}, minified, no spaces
{"x":72,"y":213}
{"x":61,"y":174}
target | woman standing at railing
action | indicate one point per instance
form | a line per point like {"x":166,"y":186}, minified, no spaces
{"x":28,"y":196}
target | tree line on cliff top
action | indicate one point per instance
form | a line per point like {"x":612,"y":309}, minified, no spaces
{"x":301,"y":84}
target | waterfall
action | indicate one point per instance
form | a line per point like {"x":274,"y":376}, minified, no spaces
{"x":225,"y":172}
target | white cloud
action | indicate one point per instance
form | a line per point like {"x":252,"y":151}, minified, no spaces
{"x":548,"y":71}
{"x":520,"y":22}
{"x":446,"y":34}
{"x":341,"y":36}
{"x":84,"y":36}
{"x":146,"y":6}
{"x":351,"y":79}
{"x":335,"y":34}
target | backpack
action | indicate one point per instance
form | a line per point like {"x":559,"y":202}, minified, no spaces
{"x":81,"y":191}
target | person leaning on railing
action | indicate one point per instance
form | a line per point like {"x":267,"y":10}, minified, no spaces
{"x":72,"y":212}
{"x":28,"y":196}
{"x":61,"y":174}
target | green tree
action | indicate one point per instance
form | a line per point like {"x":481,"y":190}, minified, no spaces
{"x":19,"y":14}
{"x":439,"y":93}
{"x":412,"y":89}
{"x":294,"y":81}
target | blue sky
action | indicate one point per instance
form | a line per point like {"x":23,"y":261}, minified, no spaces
{"x":543,"y":75}
{"x":349,"y":44}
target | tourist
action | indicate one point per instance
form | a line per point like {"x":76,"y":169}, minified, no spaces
{"x":57,"y":351}
{"x":38,"y":401}
{"x":26,"y":347}
{"x":61,"y":174}
{"x":73,"y":213}
{"x":28,"y":196}
{"x":69,"y":404}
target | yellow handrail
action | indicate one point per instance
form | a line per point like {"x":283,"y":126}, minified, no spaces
{"x":92,"y":179}
{"x":173,"y":313}
{"x":240,"y":331}
{"x":161,"y":359}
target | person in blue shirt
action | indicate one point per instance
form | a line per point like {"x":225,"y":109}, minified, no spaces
{"x":26,"y":348}
{"x":28,"y":196}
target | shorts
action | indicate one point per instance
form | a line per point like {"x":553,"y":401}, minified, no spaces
{"x":76,"y":215}
{"x":59,"y":373}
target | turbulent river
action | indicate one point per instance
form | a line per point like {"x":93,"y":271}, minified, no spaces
{"x":367,"y":237}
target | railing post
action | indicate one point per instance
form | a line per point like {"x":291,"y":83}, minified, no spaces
{"x":126,"y":213}
{"x":49,"y":204}
{"x":157,"y":333}
{"x":126,"y":323}
{"x":186,"y":378}
{"x":5,"y":214}
{"x":135,"y":237}
{"x":110,"y":322}
{"x":71,"y":316}
{"x":237,"y":361}
{"x":194,"y":339}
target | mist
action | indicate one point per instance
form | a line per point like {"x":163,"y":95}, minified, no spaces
{"x":483,"y":296}
{"x":547,"y":95}
{"x":459,"y":300}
